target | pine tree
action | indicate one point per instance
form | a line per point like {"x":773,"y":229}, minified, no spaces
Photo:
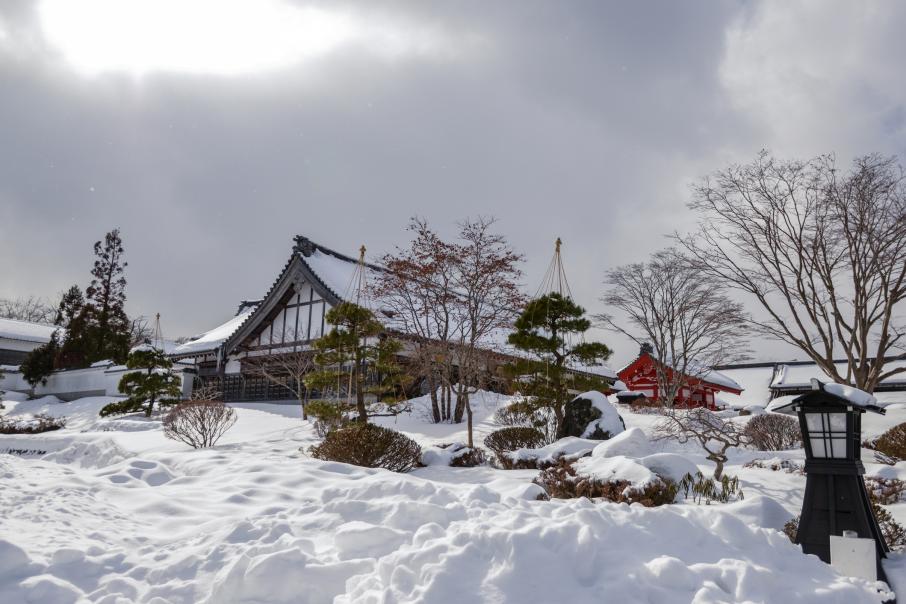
{"x":71,"y":316}
{"x":107,"y":329}
{"x":70,"y":306}
{"x":41,"y":361}
{"x":353,"y":347}
{"x":97,"y":326}
{"x":153,"y":383}
{"x":546,"y":329}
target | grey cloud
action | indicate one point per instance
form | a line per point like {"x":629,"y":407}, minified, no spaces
{"x":581,"y":120}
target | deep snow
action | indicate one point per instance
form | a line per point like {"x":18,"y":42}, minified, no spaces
{"x":114,"y":512}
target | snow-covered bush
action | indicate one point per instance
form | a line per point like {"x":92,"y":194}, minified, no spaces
{"x":704,"y":488}
{"x":199,"y":424}
{"x":35,"y":425}
{"x":328,"y":416}
{"x":522,"y":413}
{"x":569,"y":449}
{"x":369,"y":446}
{"x":774,"y":432}
{"x":562,"y":481}
{"x":456,"y":455}
{"x":893,"y":442}
{"x":886,"y":491}
{"x":511,"y":439}
{"x":776,"y":465}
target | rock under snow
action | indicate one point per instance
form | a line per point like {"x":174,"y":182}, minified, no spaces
{"x":591,"y":415}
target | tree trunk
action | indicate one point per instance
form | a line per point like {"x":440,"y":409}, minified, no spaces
{"x":435,"y":407}
{"x":460,"y":405}
{"x":468,"y":405}
{"x":719,"y":469}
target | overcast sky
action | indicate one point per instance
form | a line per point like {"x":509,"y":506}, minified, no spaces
{"x":213,"y":131}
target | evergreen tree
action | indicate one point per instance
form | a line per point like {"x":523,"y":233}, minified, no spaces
{"x":154,"y":382}
{"x":352,"y":348}
{"x":107,"y":329}
{"x":41,"y":361}
{"x":70,"y":306}
{"x":71,"y":316}
{"x":97,"y":326}
{"x":546,"y":330}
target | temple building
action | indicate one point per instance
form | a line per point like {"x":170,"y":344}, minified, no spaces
{"x":288,"y":319}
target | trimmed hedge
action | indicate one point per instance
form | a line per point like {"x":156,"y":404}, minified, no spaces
{"x":893,"y":442}
{"x":513,"y":438}
{"x":369,"y":446}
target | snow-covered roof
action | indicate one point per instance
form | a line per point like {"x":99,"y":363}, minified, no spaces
{"x":213,"y":338}
{"x":799,"y":375}
{"x":12,"y":329}
{"x":755,"y":383}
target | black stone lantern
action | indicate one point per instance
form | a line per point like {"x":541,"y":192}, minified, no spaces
{"x":836,"y":499}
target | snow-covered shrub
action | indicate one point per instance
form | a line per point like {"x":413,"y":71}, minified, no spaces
{"x":791,"y":528}
{"x":704,"y":488}
{"x":562,"y":481}
{"x":511,"y":439}
{"x":199,"y":424}
{"x":885,"y":491}
{"x":369,"y":446}
{"x":569,"y":449}
{"x":467,"y":457}
{"x":893,"y":531}
{"x":455,"y":455}
{"x":328,"y":416}
{"x":774,"y":432}
{"x":893,"y":442}
{"x":35,"y":425}
{"x":524,"y":414}
{"x":776,"y":465}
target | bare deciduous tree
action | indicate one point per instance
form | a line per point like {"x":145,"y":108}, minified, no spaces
{"x":417,"y":290}
{"x":685,"y":315}
{"x":488,"y":300}
{"x":31,"y":309}
{"x":199,"y":424}
{"x":715,"y":434}
{"x":821,"y":252}
{"x":286,"y":369}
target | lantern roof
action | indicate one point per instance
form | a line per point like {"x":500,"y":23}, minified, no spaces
{"x":834,"y":394}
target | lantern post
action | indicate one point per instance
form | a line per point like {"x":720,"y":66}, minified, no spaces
{"x":836,"y":501}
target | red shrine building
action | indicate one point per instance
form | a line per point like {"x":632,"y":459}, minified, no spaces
{"x":699,"y":390}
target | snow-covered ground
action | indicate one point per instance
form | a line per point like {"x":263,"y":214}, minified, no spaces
{"x":108,"y":510}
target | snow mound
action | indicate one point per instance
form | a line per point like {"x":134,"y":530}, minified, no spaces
{"x":619,"y":467}
{"x":631,"y":443}
{"x":696,"y":556}
{"x":139,"y":473}
{"x":669,"y":465}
